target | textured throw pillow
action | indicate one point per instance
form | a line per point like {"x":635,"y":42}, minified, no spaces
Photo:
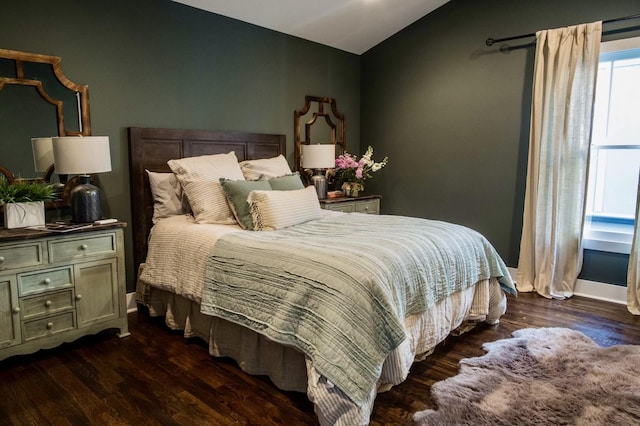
{"x":265,"y":167}
{"x":286,"y":182}
{"x":271,"y":210}
{"x":167,"y":195}
{"x":237,"y":192}
{"x":200,"y":181}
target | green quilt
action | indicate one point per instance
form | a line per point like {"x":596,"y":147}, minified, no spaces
{"x":338,"y":289}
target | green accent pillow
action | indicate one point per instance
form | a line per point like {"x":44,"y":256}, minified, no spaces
{"x":287,"y":182}
{"x":237,"y":192}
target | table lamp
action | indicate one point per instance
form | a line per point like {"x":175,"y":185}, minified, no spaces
{"x":319,"y":157}
{"x":42,"y":153}
{"x":82,"y":156}
{"x":43,"y":162}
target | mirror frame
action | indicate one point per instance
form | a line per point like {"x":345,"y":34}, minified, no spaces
{"x":338,"y":129}
{"x":82,"y":93}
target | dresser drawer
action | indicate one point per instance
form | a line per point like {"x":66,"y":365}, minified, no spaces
{"x":37,"y":282}
{"x":369,"y":206}
{"x":366,"y":204}
{"x":341,"y":207}
{"x":48,"y":326}
{"x":46,"y":304}
{"x":77,"y":248}
{"x":20,"y":256}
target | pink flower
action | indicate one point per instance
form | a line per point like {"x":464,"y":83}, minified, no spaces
{"x":351,"y":169}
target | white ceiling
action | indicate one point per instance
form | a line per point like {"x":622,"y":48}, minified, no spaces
{"x":351,"y":25}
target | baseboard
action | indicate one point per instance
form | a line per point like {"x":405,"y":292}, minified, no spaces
{"x":601,"y":291}
{"x":593,"y":290}
{"x":131,"y":303}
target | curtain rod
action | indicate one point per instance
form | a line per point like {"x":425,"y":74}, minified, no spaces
{"x":491,"y":41}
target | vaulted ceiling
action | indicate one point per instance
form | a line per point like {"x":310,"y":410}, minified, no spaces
{"x":351,"y":25}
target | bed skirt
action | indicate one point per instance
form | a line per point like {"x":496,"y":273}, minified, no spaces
{"x":289,"y":370}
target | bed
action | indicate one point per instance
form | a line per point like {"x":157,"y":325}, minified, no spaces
{"x":289,"y":302}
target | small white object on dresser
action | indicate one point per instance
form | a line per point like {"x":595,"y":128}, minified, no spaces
{"x":55,"y":288}
{"x":369,"y":204}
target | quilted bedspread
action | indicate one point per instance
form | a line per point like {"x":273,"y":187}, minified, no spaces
{"x":338,"y":289}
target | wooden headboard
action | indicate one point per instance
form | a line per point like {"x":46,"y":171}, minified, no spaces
{"x":151,"y":148}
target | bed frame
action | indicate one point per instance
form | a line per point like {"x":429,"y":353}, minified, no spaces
{"x":151,"y":148}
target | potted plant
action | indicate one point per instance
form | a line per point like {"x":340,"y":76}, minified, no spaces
{"x":23,"y":202}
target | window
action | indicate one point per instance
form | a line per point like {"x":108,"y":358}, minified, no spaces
{"x":615,"y":149}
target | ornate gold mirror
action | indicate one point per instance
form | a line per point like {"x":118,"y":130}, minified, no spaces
{"x":36,"y":100}
{"x":318,"y":122}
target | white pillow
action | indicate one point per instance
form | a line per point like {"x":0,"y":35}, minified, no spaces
{"x":265,"y":167}
{"x":167,"y":195}
{"x":200,"y":181}
{"x":271,"y":210}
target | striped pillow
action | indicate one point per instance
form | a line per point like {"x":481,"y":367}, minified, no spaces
{"x":265,"y":168}
{"x":200,"y":180}
{"x":271,"y":210}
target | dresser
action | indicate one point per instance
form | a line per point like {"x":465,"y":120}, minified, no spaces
{"x":56,"y":287}
{"x":369,"y":204}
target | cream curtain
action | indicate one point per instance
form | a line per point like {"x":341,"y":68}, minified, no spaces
{"x":633,"y":275}
{"x":565,"y":71}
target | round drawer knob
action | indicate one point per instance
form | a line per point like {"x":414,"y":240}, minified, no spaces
{"x":84,"y":247}
{"x":49,"y":325}
{"x":1,"y":258}
{"x":16,"y":310}
{"x":47,"y":303}
{"x":78,"y":296}
{"x":47,"y":281}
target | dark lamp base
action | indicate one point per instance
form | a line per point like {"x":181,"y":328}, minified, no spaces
{"x":85,"y":202}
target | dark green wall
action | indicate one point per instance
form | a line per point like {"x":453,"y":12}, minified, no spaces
{"x":453,"y":115}
{"x":156,"y":63}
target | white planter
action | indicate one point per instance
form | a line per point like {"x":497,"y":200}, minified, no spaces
{"x":21,"y":215}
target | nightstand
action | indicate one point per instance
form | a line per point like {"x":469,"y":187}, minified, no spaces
{"x":369,"y":204}
{"x":56,"y":287}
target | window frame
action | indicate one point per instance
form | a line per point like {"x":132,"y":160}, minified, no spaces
{"x":607,"y":232}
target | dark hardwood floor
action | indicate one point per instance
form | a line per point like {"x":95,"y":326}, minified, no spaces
{"x":155,"y":377}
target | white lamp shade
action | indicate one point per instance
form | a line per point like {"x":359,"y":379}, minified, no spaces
{"x":76,"y":155}
{"x":42,"y":153}
{"x":318,"y":156}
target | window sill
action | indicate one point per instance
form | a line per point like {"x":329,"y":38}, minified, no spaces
{"x":613,"y":238}
{"x":608,"y":246}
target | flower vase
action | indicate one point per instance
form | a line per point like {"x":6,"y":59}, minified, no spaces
{"x":352,"y":189}
{"x":346,"y":188}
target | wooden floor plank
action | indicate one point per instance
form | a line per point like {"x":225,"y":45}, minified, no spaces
{"x":156,"y":377}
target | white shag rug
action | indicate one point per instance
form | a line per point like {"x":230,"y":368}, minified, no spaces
{"x":541,"y":376}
